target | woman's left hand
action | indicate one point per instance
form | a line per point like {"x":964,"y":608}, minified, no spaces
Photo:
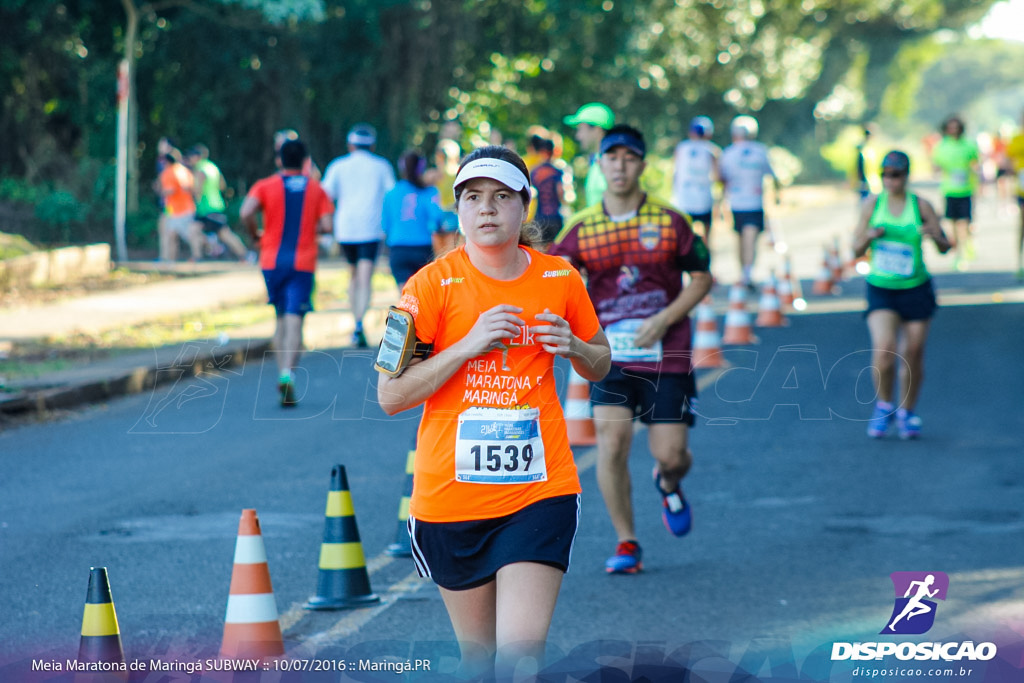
{"x":556,"y":337}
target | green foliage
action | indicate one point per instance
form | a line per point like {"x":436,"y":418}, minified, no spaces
{"x":60,"y":208}
{"x":230,"y":73}
{"x":841,"y":153}
{"x":965,"y":71}
{"x":12,"y":246}
{"x":141,"y":228}
{"x":900,"y":101}
{"x":17,"y":190}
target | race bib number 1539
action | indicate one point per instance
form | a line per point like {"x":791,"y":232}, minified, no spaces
{"x":499,"y":446}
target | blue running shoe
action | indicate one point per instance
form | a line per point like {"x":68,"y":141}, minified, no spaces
{"x":878,"y":425}
{"x":675,"y":511}
{"x":908,"y":424}
{"x":628,"y":559}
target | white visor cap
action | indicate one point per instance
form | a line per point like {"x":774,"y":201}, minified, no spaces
{"x":495,"y":169}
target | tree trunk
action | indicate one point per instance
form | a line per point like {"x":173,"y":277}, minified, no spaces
{"x":130,"y":34}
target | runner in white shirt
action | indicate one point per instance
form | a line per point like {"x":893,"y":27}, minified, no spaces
{"x":696,"y":171}
{"x":743,"y":166}
{"x":357,"y":183}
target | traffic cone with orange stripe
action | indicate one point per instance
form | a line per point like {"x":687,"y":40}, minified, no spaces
{"x":737,"y":318}
{"x":769,"y":310}
{"x":707,"y":348}
{"x":101,"y":636}
{"x":251,"y":627}
{"x":786,"y":296}
{"x":343,"y":582}
{"x":402,"y":547}
{"x":838,"y":274}
{"x":579,"y":416}
{"x":824,"y":284}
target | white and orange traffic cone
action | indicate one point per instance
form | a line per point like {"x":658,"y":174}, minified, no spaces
{"x":786,"y":295}
{"x":579,"y":417}
{"x":251,"y":626}
{"x":707,"y":343}
{"x":737,"y":319}
{"x":769,"y":309}
{"x":824,"y":284}
{"x":838,"y":274}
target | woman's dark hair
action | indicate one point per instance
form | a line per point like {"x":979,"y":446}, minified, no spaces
{"x":531,"y":234}
{"x":412,"y":165}
{"x":953,"y":119}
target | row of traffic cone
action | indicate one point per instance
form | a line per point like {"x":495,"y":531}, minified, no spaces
{"x":738,"y":327}
{"x":252,"y":629}
{"x":833,"y":270}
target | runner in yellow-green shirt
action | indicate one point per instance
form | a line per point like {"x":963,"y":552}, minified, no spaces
{"x":211,"y":209}
{"x":901,"y":300}
{"x":958,"y":159}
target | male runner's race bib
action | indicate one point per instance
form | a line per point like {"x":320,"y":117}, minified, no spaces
{"x":620,"y":337}
{"x":892,"y":258}
{"x":958,"y":177}
{"x":500,"y":446}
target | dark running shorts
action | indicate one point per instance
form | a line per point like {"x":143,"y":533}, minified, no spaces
{"x":664,"y":397}
{"x":407,"y":260}
{"x":213,"y":222}
{"x":359,"y":251}
{"x":958,"y":208}
{"x":290,"y":291}
{"x":464,"y":555}
{"x":741,"y":219}
{"x":916,"y":303}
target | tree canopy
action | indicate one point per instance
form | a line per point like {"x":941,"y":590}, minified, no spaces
{"x":228,"y":73}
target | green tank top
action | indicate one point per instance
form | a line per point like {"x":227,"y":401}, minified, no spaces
{"x":896,"y":258}
{"x":210,"y":200}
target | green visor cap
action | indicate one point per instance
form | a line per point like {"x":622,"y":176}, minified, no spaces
{"x":594,"y":113}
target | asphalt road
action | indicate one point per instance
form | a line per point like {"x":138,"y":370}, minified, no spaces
{"x":799,"y":518}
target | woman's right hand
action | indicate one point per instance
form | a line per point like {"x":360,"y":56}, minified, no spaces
{"x":494,"y":329}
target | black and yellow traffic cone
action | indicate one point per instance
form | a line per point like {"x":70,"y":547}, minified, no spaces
{"x":401,"y":547}
{"x":101,"y":636}
{"x":343,"y":582}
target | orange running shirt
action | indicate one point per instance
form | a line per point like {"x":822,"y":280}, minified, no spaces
{"x":177,"y":180}
{"x":446,"y":297}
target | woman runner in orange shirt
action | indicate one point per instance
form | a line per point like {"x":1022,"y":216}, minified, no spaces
{"x":495,"y":501}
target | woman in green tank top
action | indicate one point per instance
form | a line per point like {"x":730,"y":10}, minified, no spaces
{"x":900,"y":296}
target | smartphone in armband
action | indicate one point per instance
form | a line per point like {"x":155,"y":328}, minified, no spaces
{"x":399,"y":345}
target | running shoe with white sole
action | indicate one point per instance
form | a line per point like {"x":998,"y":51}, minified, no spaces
{"x":878,"y":425}
{"x":908,"y":424}
{"x":675,"y":511}
{"x":628,"y":559}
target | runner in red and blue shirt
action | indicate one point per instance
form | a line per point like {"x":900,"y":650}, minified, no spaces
{"x":294,"y":209}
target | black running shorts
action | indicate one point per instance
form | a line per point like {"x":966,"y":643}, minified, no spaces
{"x":915,"y":303}
{"x":653,"y":397}
{"x":464,"y":555}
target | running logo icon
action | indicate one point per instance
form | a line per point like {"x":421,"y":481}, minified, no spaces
{"x":916,"y":592}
